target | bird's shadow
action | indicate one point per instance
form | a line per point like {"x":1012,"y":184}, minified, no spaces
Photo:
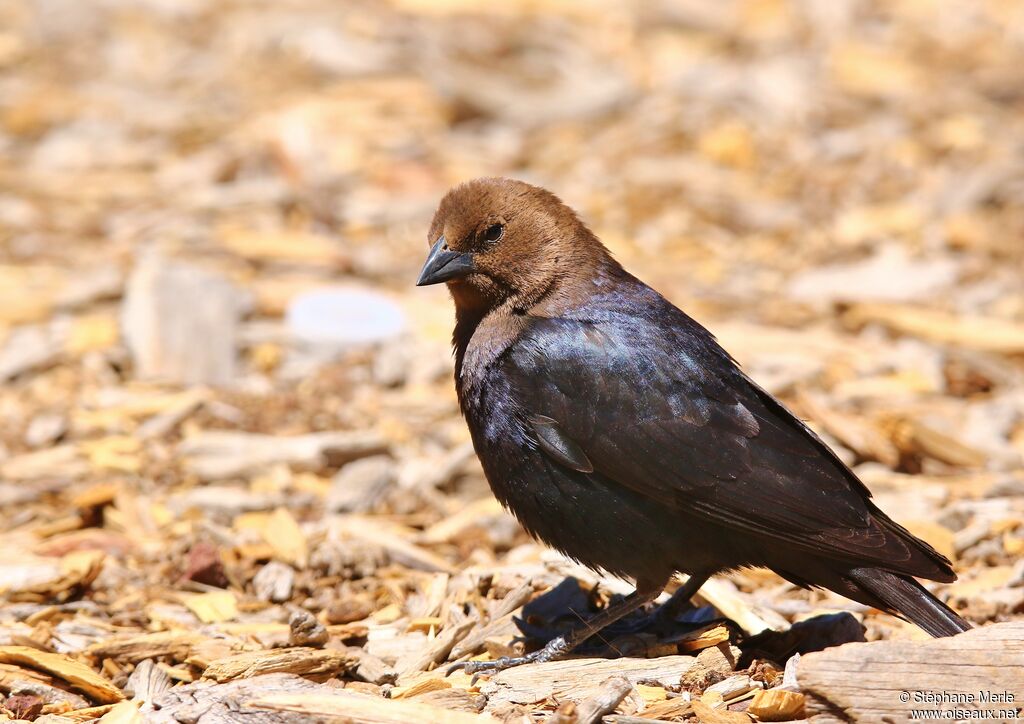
{"x":566,"y":605}
{"x":642,"y":633}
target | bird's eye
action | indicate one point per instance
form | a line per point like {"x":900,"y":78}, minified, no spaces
{"x":494,"y":232}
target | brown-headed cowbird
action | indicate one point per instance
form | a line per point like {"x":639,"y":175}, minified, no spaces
{"x":618,"y":431}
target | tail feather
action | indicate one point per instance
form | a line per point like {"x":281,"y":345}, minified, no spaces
{"x":906,"y":597}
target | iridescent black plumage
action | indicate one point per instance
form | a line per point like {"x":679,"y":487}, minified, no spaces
{"x":618,"y":431}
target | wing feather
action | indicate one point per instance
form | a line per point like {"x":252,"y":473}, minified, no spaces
{"x":670,"y":416}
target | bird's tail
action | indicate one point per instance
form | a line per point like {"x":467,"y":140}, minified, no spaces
{"x":908,"y":598}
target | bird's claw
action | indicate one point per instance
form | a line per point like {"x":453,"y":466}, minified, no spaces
{"x":555,"y":649}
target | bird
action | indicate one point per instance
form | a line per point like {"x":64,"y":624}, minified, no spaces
{"x":618,"y":431}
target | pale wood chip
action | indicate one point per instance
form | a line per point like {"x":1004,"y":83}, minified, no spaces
{"x":296,"y":660}
{"x":988,"y":659}
{"x":347,"y":708}
{"x":75,"y":673}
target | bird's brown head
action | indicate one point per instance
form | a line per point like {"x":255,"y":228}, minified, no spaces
{"x":497,"y":241}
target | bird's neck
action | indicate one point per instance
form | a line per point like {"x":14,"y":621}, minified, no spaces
{"x":483,"y":333}
{"x":485,"y":327}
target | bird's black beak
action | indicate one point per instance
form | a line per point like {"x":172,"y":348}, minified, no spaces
{"x":443,"y":264}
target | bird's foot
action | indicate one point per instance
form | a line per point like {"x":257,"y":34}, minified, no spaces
{"x":555,"y":649}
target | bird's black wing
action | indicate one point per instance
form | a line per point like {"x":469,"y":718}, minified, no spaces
{"x":655,"y":404}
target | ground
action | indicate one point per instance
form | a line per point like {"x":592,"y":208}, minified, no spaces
{"x":209,"y":470}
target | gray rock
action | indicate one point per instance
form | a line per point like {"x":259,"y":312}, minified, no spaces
{"x":45,"y":429}
{"x":361,"y":485}
{"x":28,"y":348}
{"x":181,"y":323}
{"x":274,"y":582}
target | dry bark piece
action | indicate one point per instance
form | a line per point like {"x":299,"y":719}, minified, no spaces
{"x":733,"y":604}
{"x":75,"y":673}
{"x":578,"y":678}
{"x":501,"y":622}
{"x":729,"y":688}
{"x":371,"y":669}
{"x":45,"y":429}
{"x":165,"y":422}
{"x":861,"y":437}
{"x":176,"y":645}
{"x":394,"y":540}
{"x":220,"y":454}
{"x":705,"y":637}
{"x":147,"y":682}
{"x":212,"y":607}
{"x":669,"y":709}
{"x":437,"y":651}
{"x":423,"y":686}
{"x":708,"y":715}
{"x":227,"y":703}
{"x":297,"y":660}
{"x":981,"y":333}
{"x":283,"y":534}
{"x":344,"y":707}
{"x":608,"y":697}
{"x":274,"y":581}
{"x":711,"y":666}
{"x":60,"y":462}
{"x":455,"y":699}
{"x":987,"y":659}
{"x":777,"y":705}
{"x":125,"y":712}
{"x":913,"y":436}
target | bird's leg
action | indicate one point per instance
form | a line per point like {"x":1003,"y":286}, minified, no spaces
{"x":561,"y":645}
{"x":666,"y":614}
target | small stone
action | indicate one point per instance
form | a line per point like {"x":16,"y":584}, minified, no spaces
{"x":348,"y":610}
{"x":27,"y":349}
{"x":205,"y":566}
{"x":274,"y":582}
{"x":305,"y":630}
{"x":24,"y":706}
{"x":45,"y":429}
{"x":391,"y":365}
{"x":361,"y":485}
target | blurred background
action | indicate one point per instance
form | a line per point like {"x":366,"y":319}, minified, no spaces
{"x":211,"y":215}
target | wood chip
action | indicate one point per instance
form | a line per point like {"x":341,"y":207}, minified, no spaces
{"x":437,"y":651}
{"x":176,"y":645}
{"x":76,"y":674}
{"x":502,"y":621}
{"x":987,"y":659}
{"x":707,"y":715}
{"x":345,"y":708}
{"x":610,"y":694}
{"x":213,"y":607}
{"x":216,"y":455}
{"x":752,"y":617}
{"x":776,"y":705}
{"x":298,"y":660}
{"x":284,"y":535}
{"x":577,"y":679}
{"x":982,"y":333}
